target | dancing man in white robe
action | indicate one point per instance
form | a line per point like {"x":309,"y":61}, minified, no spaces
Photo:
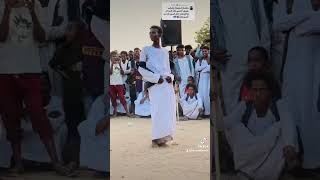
{"x":142,"y":104}
{"x":191,"y":103}
{"x":203,"y":69}
{"x":303,"y":57}
{"x":154,"y":66}
{"x":262,"y":134}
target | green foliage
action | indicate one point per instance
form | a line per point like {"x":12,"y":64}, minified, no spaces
{"x":204,"y":33}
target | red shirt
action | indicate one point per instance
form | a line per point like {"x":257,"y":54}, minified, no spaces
{"x":245,"y":93}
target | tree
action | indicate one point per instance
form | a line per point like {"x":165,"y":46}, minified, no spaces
{"x":204,"y":33}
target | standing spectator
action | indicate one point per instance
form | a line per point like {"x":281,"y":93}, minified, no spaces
{"x":20,"y":71}
{"x":116,"y":83}
{"x":203,"y":84}
{"x":68,"y":58}
{"x":126,"y":69}
{"x":183,"y":68}
{"x":138,"y":77}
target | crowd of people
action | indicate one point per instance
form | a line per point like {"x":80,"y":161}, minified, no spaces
{"x":268,"y":68}
{"x":52,"y":83}
{"x":191,"y":69}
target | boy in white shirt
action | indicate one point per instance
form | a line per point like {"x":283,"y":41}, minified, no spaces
{"x":116,"y":83}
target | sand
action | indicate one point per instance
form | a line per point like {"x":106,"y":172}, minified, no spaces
{"x":133,"y":158}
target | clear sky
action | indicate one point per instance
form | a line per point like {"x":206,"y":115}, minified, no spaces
{"x":130,"y":21}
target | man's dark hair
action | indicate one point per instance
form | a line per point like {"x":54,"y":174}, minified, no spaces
{"x":193,"y":86}
{"x":160,"y":31}
{"x":259,"y":76}
{"x":130,"y":51}
{"x":188,"y":47}
{"x":180,"y":46}
{"x":205,"y":47}
{"x":136,"y":49}
{"x":262,"y":50}
{"x":124,"y":52}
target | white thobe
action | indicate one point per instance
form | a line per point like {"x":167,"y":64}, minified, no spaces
{"x":162,"y":96}
{"x":95,"y":150}
{"x":144,"y":108}
{"x":191,"y":106}
{"x":203,"y":69}
{"x":258,"y":148}
{"x":278,"y":40}
{"x":240,"y":35}
{"x":303,"y":57}
{"x":185,"y":72}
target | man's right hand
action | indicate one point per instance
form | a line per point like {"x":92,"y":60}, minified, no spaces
{"x":221,"y":55}
{"x":160,"y":80}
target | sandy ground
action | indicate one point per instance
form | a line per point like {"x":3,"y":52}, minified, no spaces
{"x":133,"y":158}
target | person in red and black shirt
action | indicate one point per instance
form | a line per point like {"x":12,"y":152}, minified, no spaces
{"x":258,"y":62}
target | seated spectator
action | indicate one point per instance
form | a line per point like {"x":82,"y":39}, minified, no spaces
{"x":191,"y":103}
{"x":191,"y":80}
{"x":94,"y":134}
{"x":258,"y":62}
{"x":143,"y":104}
{"x":261,"y":133}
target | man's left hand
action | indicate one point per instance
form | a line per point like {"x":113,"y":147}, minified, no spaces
{"x":168,"y":79}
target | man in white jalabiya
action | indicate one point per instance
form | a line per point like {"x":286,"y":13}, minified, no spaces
{"x":262,"y":133}
{"x":184,"y":68}
{"x":154,"y":66}
{"x":203,"y":70}
{"x":191,"y":103}
{"x":303,"y":57}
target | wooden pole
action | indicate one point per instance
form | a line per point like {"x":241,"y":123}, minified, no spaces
{"x":215,"y":116}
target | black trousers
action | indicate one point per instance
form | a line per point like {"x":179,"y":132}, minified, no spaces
{"x":74,"y":115}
